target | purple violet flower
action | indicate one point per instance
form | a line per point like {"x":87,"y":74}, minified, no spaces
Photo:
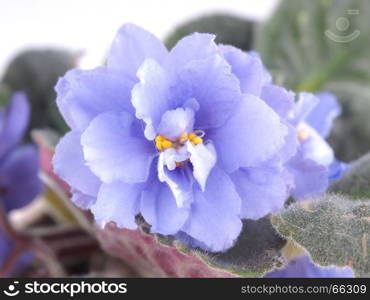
{"x":19,"y":165}
{"x":303,"y":267}
{"x":314,"y":166}
{"x":181,"y":137}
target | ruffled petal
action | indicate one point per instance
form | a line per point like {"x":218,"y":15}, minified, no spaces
{"x":322,"y":117}
{"x":314,"y":147}
{"x":70,"y":165}
{"x":196,"y":46}
{"x":171,"y":156}
{"x":179,"y":181}
{"x":263,"y":190}
{"x":310,"y":178}
{"x":214,"y":219}
{"x":266,"y":76}
{"x":14,"y":123}
{"x":113,"y":153}
{"x":247,"y":68}
{"x":252,"y":135}
{"x":159,"y":208}
{"x":305,"y":105}
{"x":203,"y":158}
{"x":84,"y":94}
{"x":131,"y":46}
{"x":290,"y":146}
{"x":176,"y":122}
{"x":279,"y":99}
{"x":117,"y":202}
{"x":82,"y":200}
{"x":215,"y":88}
{"x":151,"y":96}
{"x":19,"y":179}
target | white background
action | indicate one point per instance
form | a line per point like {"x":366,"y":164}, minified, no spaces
{"x":90,"y":25}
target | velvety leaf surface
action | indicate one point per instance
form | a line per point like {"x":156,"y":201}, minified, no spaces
{"x":333,"y":229}
{"x":256,"y":251}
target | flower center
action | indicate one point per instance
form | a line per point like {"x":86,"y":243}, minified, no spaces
{"x":162,"y":143}
{"x":303,"y":135}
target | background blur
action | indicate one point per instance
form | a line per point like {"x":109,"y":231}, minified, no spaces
{"x":89,"y":25}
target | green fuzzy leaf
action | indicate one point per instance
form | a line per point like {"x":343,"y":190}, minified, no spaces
{"x":333,"y":229}
{"x":229,"y":29}
{"x":256,"y":251}
{"x":298,"y":44}
{"x":356,"y":181}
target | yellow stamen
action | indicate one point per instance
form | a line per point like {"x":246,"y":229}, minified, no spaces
{"x":159,"y":146}
{"x":192,"y":136}
{"x":166,"y":144}
{"x":162,"y":143}
{"x":196,"y":140}
{"x":159,"y":138}
{"x":303,"y":135}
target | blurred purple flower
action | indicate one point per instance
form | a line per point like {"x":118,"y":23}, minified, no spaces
{"x":314,"y":166}
{"x":6,"y":248}
{"x":303,"y":267}
{"x":19,"y":165}
{"x":182,"y":138}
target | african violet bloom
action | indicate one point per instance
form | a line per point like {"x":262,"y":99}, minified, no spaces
{"x":19,"y":165}
{"x":314,"y":166}
{"x":303,"y":267}
{"x":309,"y":119}
{"x":181,"y":137}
